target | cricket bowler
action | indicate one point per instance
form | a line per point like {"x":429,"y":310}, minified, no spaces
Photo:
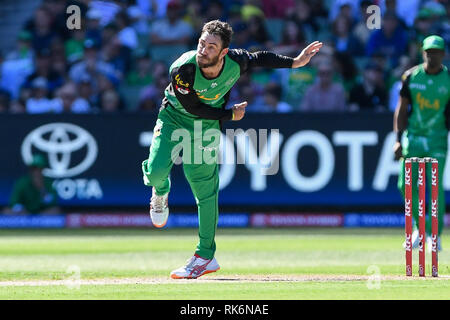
{"x":422,"y":129}
{"x":199,"y":88}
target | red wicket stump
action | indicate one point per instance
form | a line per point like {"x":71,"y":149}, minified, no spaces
{"x":434,"y":216}
{"x":422,"y":213}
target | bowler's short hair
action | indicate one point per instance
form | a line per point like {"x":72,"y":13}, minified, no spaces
{"x":220,"y":29}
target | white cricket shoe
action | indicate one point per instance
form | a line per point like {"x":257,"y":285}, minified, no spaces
{"x":429,"y":244}
{"x":414,"y":240}
{"x":159,"y":209}
{"x":195,"y":267}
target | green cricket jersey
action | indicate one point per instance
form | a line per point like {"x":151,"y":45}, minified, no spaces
{"x":33,"y":200}
{"x":429,"y":96}
{"x":193,"y":95}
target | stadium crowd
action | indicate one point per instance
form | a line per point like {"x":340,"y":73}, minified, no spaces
{"x":118,"y":61}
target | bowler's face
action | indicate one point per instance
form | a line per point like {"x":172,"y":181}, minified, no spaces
{"x":208,"y":50}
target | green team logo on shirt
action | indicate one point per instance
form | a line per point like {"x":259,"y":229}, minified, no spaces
{"x":425,"y":103}
{"x":430,"y":97}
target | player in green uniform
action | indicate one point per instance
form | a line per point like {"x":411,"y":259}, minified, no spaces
{"x":192,"y":109}
{"x":33,"y":193}
{"x":426,"y":89}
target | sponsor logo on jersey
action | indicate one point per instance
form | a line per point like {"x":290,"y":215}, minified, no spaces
{"x":180,"y":82}
{"x":425,"y":103}
{"x":214,"y":84}
{"x":418,"y":86}
{"x":217,"y":96}
{"x":182,"y":90}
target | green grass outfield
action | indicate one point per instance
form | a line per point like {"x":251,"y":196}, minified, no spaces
{"x":307,"y":263}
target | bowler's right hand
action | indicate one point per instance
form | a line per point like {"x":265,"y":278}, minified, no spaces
{"x":239,"y":111}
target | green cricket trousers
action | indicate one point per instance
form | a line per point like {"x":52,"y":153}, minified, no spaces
{"x":415,"y":146}
{"x":176,"y":133}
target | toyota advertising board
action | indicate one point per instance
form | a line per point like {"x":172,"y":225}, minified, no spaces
{"x":298,"y":159}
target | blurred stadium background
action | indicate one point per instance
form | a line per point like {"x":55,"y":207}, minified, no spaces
{"x":88,"y":99}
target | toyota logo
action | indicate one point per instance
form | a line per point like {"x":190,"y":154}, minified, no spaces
{"x":61,"y":141}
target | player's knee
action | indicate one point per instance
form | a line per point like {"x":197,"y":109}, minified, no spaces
{"x":153,"y":175}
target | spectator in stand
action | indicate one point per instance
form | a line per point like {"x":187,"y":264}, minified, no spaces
{"x":215,"y":11}
{"x":17,"y":107}
{"x":277,"y":9}
{"x":93,"y":27}
{"x":44,"y":69}
{"x":319,"y":10}
{"x":34,"y":193}
{"x":57,"y":47}
{"x":394,"y":93}
{"x":74,"y":46}
{"x":153,"y":9}
{"x":391,"y":40}
{"x":258,"y":33}
{"x":444,"y":29}
{"x":152,"y":94}
{"x":194,"y":14}
{"x":439,"y":14}
{"x":108,"y":10}
{"x":92,"y":65}
{"x":171,"y":30}
{"x":295,"y":81}
{"x":343,"y":40}
{"x":292,"y":39}
{"x":272,"y":100}
{"x":38,"y":102}
{"x":195,"y":17}
{"x":59,"y":64}
{"x":127,"y":36}
{"x":241,"y":38}
{"x":247,"y":84}
{"x":110,"y":101}
{"x":109,"y":33}
{"x":57,"y":10}
{"x":346,"y":68}
{"x":360,"y":30}
{"x":116,"y":55}
{"x":370,"y":94}
{"x":67,"y":100}
{"x":406,"y":11}
{"x":13,"y":73}
{"x":254,"y":100}
{"x":41,"y":30}
{"x":304,"y":17}
{"x":349,"y":8}
{"x":251,"y":8}
{"x":104,"y":83}
{"x":23,"y":49}
{"x":324,"y":95}
{"x":137,"y":20}
{"x":86,"y":91}
{"x":141,"y":74}
{"x":234,"y":15}
{"x":423,"y":27}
